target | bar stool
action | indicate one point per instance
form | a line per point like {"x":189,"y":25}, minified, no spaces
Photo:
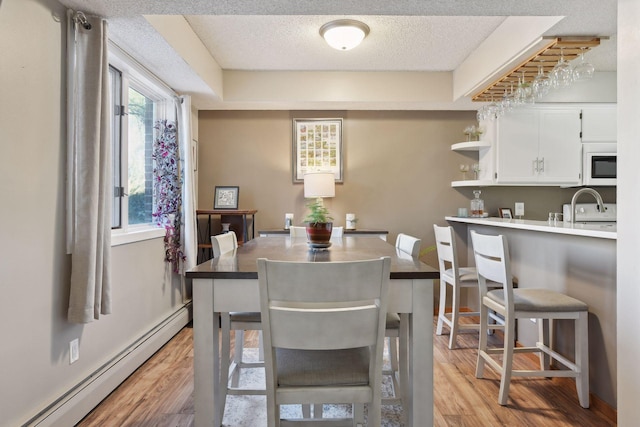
{"x":493,"y":263}
{"x":451,"y":274}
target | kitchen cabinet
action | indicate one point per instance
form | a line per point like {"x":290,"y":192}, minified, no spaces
{"x":539,"y":146}
{"x":599,"y":123}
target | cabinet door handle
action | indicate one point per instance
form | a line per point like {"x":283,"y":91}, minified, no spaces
{"x":535,"y":166}
{"x":541,"y":166}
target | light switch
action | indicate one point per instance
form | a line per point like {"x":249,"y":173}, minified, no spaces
{"x":519,"y":208}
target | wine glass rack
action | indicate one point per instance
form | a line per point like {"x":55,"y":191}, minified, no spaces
{"x":547,"y":57}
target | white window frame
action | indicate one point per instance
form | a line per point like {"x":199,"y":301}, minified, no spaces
{"x":137,"y":77}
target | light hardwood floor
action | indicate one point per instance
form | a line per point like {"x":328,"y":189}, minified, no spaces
{"x":160,"y":393}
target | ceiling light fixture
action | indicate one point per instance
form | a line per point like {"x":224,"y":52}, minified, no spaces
{"x":344,"y":34}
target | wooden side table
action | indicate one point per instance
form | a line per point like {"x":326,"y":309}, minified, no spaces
{"x":239,"y":224}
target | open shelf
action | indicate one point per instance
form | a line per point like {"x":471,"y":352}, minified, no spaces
{"x":471,"y":183}
{"x":470,"y":146}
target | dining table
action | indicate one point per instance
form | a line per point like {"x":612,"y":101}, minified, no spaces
{"x":230,"y":283}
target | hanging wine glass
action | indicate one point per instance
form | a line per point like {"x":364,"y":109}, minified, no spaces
{"x":499,"y":109}
{"x":541,"y":83}
{"x":514,"y":96}
{"x":562,"y":73}
{"x":584,"y":70}
{"x":507,"y":102}
{"x":519,"y":93}
{"x":525,"y":90}
{"x":492,"y":110}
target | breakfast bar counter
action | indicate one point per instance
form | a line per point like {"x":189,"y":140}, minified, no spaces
{"x":575,"y":259}
{"x":592,"y":229}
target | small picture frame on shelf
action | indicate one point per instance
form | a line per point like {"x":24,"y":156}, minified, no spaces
{"x":505,"y":213}
{"x":226,"y":197}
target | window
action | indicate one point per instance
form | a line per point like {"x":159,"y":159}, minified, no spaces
{"x":140,"y":164}
{"x":138,"y":101}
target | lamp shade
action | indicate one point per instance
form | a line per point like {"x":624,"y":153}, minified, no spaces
{"x":319,"y":184}
{"x":344,"y":34}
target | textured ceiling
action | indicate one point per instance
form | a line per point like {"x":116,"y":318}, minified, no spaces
{"x":411,"y":43}
{"x":416,"y":35}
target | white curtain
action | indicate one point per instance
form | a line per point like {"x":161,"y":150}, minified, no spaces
{"x":89,"y":183}
{"x":188,"y":153}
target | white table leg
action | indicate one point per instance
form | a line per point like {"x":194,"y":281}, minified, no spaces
{"x":205,"y":354}
{"x":420,"y":399}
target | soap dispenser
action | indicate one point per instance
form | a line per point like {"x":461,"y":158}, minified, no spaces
{"x":477,"y":205}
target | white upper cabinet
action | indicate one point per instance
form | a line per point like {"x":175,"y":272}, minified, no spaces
{"x":599,"y":123}
{"x":560,"y":147}
{"x":539,"y":146}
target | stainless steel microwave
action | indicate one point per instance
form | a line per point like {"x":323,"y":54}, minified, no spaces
{"x":599,"y":163}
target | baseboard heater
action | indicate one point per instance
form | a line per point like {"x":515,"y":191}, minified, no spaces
{"x":76,"y":403}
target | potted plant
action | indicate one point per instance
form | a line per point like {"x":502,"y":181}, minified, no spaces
{"x":318,"y":222}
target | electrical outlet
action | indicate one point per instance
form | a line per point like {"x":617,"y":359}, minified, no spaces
{"x":74,"y":351}
{"x":533,"y":320}
{"x":519,"y":209}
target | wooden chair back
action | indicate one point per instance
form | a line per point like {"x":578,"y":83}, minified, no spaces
{"x":297,"y":232}
{"x":492,"y":263}
{"x":337,"y":231}
{"x":408,"y":244}
{"x":223,"y":243}
{"x":324,"y":308}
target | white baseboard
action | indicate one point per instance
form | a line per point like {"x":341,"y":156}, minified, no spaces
{"x":76,"y":403}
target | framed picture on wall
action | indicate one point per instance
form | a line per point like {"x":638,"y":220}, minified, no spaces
{"x":317,"y":146}
{"x":226,"y":197}
{"x":506,"y":213}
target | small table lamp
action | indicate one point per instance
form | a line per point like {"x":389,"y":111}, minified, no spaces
{"x":319,"y":185}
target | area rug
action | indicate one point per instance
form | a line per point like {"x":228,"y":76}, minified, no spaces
{"x":251,"y":411}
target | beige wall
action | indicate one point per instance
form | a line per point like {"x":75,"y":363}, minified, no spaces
{"x":34,"y":268}
{"x":397,"y":172}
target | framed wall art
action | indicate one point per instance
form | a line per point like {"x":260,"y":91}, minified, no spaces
{"x":226,"y":198}
{"x":506,"y":213}
{"x":317,"y":146}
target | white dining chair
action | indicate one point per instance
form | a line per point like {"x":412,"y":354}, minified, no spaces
{"x":224,"y":245}
{"x":297,"y":232}
{"x":324,"y":335}
{"x":408,"y":244}
{"x":493,"y":264}
{"x":397,"y":331}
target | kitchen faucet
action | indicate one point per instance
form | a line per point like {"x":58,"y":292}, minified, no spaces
{"x":591,"y":191}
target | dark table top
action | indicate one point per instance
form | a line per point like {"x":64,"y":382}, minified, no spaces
{"x":242,"y":264}
{"x":346,"y":231}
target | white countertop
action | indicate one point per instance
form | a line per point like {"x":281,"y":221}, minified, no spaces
{"x":592,"y":229}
